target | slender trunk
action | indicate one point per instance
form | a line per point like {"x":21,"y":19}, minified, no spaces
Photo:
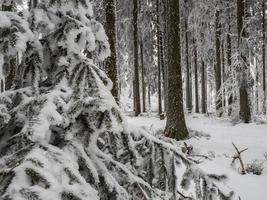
{"x":163,"y":68}
{"x":111,"y":62}
{"x":165,"y":49}
{"x":188,"y":95}
{"x":175,"y":127}
{"x":223,"y":76}
{"x":263,"y":58}
{"x":2,"y":86}
{"x":10,"y":61}
{"x":149,"y":97}
{"x":143,"y":76}
{"x":203,"y":88}
{"x":229,"y":64}
{"x":136,"y":64}
{"x":245,"y":112}
{"x":257,"y":88}
{"x":196,"y":79}
{"x":217,"y":70}
{"x":159,"y":61}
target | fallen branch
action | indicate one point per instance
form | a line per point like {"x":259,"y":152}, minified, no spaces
{"x":238,"y":156}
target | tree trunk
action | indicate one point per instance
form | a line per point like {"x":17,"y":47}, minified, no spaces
{"x":229,"y":63}
{"x":111,"y":62}
{"x":163,"y":68}
{"x":203,"y":88}
{"x":10,"y":61}
{"x":257,"y":88}
{"x":245,"y":112}
{"x":188,"y":85}
{"x":159,"y":61}
{"x":175,"y":127}
{"x":196,"y":79}
{"x":143,"y":76}
{"x":223,"y":76}
{"x":136,"y":64}
{"x":217,"y":70}
{"x":165,"y":49}
{"x":149,"y":97}
{"x":263,"y":58}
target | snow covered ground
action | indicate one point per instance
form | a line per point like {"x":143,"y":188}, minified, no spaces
{"x":223,"y":133}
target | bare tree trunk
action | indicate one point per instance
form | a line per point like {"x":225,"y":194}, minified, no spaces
{"x":175,"y":127}
{"x":136,"y":64}
{"x":263,"y":58}
{"x":257,"y":89}
{"x":223,"y":76}
{"x":143,"y":76}
{"x":11,"y":61}
{"x":163,"y":68}
{"x":217,"y":70}
{"x":245,"y":112}
{"x":149,"y":97}
{"x":203,"y":88}
{"x":188,"y":85}
{"x":165,"y":49}
{"x":159,"y":61}
{"x":196,"y":79}
{"x":229,"y":65}
{"x":111,"y":62}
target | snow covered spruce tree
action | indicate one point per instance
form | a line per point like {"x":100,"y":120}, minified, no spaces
{"x":62,"y":136}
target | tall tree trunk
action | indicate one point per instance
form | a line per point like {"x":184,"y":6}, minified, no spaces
{"x":223,"y":75}
{"x":175,"y":127}
{"x":229,"y":63}
{"x":203,"y":88}
{"x":245,"y":112}
{"x":257,"y":88}
{"x":10,"y":61}
{"x":196,"y":79}
{"x":263,"y":58}
{"x":163,"y":68}
{"x":217,"y":70}
{"x":111,"y":62}
{"x":188,"y":85}
{"x":159,"y":61}
{"x":165,"y":49}
{"x":149,"y":97}
{"x":143,"y":76}
{"x":136,"y":64}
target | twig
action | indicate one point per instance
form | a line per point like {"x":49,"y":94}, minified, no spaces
{"x":238,"y":156}
{"x":185,"y":197}
{"x":198,"y":155}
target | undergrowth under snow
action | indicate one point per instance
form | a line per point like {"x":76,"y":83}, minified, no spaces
{"x":216,"y":143}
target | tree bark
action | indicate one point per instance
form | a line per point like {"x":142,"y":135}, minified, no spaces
{"x":203,"y":88}
{"x":188,"y":85}
{"x":175,"y":127}
{"x":257,"y":88}
{"x":10,"y":61}
{"x":263,"y":58}
{"x":159,"y":61}
{"x":143,"y":76}
{"x":229,"y":62}
{"x":196,"y":79}
{"x":245,"y":112}
{"x":111,"y":62}
{"x":217,"y":70}
{"x":223,"y":75}
{"x":136,"y":64}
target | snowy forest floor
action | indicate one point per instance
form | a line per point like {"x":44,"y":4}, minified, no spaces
{"x":217,"y":144}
